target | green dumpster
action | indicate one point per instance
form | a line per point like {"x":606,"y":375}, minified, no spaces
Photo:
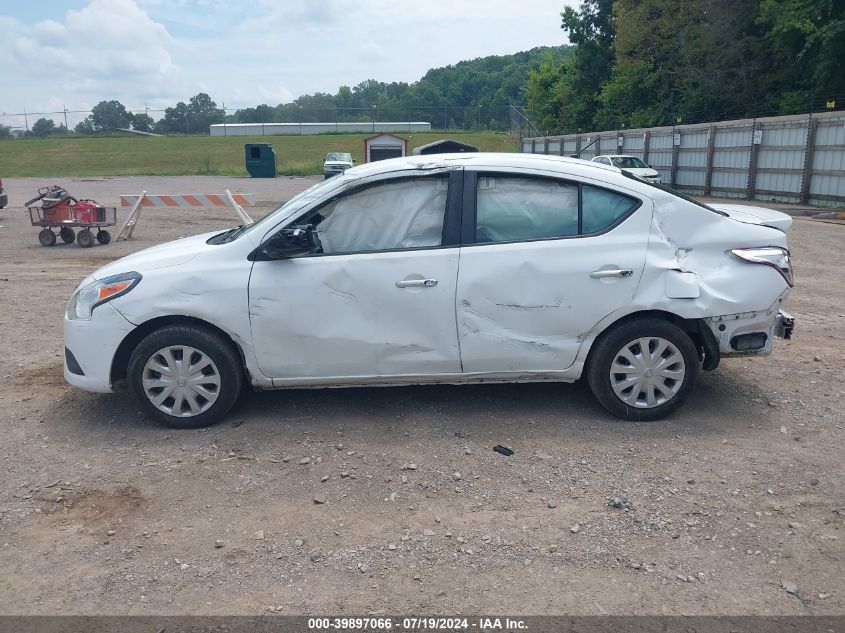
{"x":260,"y":160}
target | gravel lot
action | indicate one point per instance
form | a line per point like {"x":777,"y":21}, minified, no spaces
{"x":737,"y":502}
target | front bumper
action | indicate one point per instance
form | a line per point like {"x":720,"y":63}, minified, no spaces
{"x":90,"y":348}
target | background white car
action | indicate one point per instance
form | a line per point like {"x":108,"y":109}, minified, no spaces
{"x":631,"y":164}
{"x":336,"y":162}
{"x":567,"y":269}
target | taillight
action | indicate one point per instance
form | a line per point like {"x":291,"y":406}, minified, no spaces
{"x":773,"y":256}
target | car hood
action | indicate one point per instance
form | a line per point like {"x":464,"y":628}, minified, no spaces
{"x":755,"y":215}
{"x":162,"y":256}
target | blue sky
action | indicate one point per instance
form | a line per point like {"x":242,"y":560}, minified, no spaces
{"x":152,"y":53}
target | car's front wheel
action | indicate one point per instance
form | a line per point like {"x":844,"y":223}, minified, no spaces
{"x":643,"y":369}
{"x":185,"y":376}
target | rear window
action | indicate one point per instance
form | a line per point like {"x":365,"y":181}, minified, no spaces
{"x":673,"y":192}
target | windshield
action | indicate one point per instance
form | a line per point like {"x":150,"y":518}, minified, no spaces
{"x":340,"y":156}
{"x":312,"y":192}
{"x":673,"y":192}
{"x":628,"y":162}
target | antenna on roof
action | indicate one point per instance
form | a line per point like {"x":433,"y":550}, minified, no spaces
{"x":586,"y":147}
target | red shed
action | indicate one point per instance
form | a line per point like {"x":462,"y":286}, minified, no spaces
{"x":383,"y":146}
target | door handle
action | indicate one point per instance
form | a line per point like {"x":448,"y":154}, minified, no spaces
{"x":415,"y":283}
{"x":602,"y":274}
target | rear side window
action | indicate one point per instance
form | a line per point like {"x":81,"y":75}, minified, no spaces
{"x":518,"y":208}
{"x":512,"y":209}
{"x":602,"y":208}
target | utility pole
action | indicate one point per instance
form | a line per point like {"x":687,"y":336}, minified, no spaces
{"x":25,"y":121}
{"x":64,"y":109}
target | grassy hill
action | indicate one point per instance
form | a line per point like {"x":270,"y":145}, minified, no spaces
{"x":192,"y":155}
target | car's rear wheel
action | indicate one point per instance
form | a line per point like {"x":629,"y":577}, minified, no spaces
{"x":185,"y":376}
{"x":643,"y":369}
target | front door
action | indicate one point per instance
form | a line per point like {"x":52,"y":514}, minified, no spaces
{"x":377,"y":301}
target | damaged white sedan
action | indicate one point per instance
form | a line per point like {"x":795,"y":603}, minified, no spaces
{"x":466,"y":268}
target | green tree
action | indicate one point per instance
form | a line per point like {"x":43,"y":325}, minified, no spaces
{"x":85,"y":127}
{"x":808,"y":46}
{"x":542,"y":92}
{"x":203,"y":111}
{"x":5,"y":131}
{"x":175,"y":120}
{"x":591,"y":30}
{"x":142,"y":122}
{"x":110,"y":115}
{"x":193,"y":117}
{"x":679,"y":62}
{"x":43,"y":128}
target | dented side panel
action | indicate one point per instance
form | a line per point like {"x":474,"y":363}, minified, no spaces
{"x":689,"y":272}
{"x":344,"y":316}
{"x":212,"y":289}
{"x":526,"y":306}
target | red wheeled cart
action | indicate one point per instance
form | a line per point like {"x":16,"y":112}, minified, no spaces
{"x":60,"y":210}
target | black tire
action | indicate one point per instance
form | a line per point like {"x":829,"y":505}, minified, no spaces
{"x":46,"y":237}
{"x":85,"y":238}
{"x":67,"y":235}
{"x":220,"y":350}
{"x":608,"y":347}
{"x":103,"y":237}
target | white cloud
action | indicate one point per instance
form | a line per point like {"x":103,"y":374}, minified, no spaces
{"x":158,"y":52}
{"x":106,"y":39}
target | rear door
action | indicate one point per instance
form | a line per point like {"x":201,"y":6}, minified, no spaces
{"x":544,"y":260}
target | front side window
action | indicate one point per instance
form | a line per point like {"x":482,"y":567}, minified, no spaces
{"x":511,"y":208}
{"x":386,"y":216}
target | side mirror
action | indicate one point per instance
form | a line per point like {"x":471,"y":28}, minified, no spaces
{"x":294,"y":241}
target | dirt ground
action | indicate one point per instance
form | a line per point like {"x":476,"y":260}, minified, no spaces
{"x":737,"y":501}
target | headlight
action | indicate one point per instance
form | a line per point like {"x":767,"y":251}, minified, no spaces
{"x":86,"y":298}
{"x":773,"y":256}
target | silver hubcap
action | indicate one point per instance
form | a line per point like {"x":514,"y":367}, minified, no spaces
{"x":181,"y":381}
{"x":647,"y":372}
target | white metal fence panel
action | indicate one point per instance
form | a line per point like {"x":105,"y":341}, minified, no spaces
{"x":828,"y":165}
{"x":790,"y":158}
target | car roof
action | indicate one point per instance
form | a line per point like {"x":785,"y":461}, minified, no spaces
{"x":493,"y":160}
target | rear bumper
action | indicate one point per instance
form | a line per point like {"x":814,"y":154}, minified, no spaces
{"x":750,"y":333}
{"x":784,"y":324}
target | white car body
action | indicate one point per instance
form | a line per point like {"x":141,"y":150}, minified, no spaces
{"x":512,"y":311}
{"x":647,"y":173}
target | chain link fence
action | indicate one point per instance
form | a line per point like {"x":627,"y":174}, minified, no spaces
{"x":170,"y":121}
